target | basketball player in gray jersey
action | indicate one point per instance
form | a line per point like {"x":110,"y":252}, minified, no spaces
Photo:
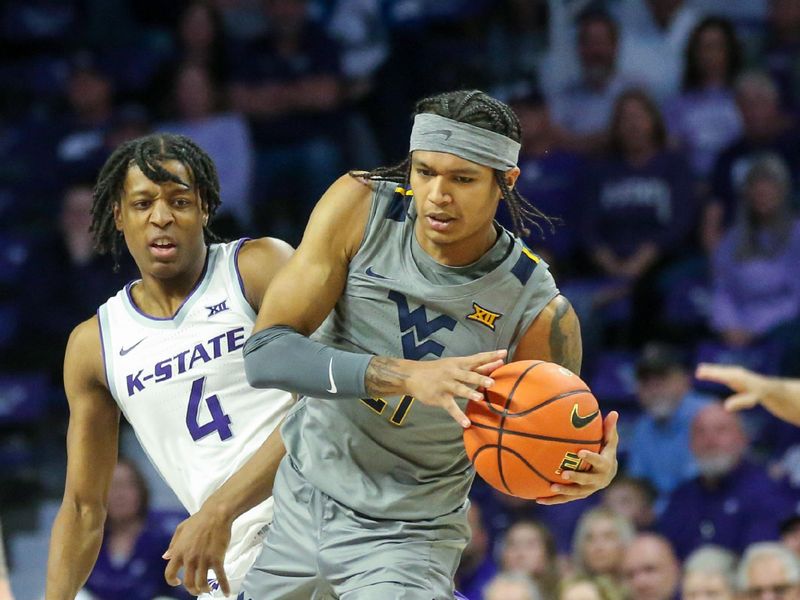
{"x":413,"y":299}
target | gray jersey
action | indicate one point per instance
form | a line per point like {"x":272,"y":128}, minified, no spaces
{"x":394,"y":457}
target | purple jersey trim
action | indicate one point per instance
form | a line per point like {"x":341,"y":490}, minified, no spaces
{"x":103,"y":349}
{"x":239,"y":245}
{"x":458,"y":596}
{"x":185,"y":300}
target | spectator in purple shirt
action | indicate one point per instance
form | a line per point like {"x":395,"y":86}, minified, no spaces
{"x":130,"y":565}
{"x":766,"y":129}
{"x":756,"y":285}
{"x":639,"y":207}
{"x":704,"y":119}
{"x":731,"y":503}
{"x":582,"y":109}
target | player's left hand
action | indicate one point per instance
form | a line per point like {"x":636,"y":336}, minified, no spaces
{"x":199,"y":544}
{"x":604,"y":468}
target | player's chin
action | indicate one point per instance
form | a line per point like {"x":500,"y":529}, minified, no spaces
{"x":161,"y":269}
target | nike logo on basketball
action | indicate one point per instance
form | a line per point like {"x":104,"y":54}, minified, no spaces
{"x":579,"y":422}
{"x":445,"y":132}
{"x":124,"y":351}
{"x":331,"y":389}
{"x":372,"y":273}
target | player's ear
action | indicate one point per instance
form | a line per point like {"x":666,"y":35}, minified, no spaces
{"x":511,"y":177}
{"x":204,"y":212}
{"x":117,"y":215}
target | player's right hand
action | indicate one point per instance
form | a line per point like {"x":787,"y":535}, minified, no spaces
{"x":199,"y":544}
{"x":439,"y":382}
{"x":747,"y":385}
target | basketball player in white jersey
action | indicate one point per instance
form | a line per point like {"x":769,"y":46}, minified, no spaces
{"x":166,"y":352}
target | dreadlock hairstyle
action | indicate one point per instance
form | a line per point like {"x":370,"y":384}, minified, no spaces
{"x":148,"y":153}
{"x":481,"y":110}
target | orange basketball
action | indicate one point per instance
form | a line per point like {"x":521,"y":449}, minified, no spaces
{"x":530,"y":427}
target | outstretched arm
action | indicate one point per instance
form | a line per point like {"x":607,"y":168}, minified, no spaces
{"x":555,"y":336}
{"x":91,"y":455}
{"x":779,"y":396}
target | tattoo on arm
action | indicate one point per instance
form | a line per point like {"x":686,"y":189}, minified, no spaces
{"x":565,"y":337}
{"x":384,"y":376}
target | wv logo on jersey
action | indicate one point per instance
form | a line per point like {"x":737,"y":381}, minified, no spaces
{"x":416,"y":321}
{"x":217,"y":308}
{"x":483,"y":315}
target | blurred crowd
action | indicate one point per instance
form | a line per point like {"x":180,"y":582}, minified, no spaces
{"x":660,"y":136}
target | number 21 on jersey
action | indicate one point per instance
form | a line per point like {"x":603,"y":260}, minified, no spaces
{"x":399,"y":414}
{"x":219,"y":422}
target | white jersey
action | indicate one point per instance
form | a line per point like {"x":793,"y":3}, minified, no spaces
{"x":181,"y":384}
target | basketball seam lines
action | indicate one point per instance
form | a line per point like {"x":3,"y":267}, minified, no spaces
{"x":500,"y":450}
{"x":538,"y":406}
{"x":502,"y":423}
{"x":536,"y":436}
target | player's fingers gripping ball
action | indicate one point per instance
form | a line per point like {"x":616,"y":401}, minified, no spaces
{"x":530,"y":427}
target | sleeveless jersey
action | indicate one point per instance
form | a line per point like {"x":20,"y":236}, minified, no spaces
{"x":394,"y":457}
{"x":180,"y":383}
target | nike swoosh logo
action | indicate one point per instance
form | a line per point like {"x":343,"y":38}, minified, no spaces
{"x":332,"y":389}
{"x":124,"y":351}
{"x":372,"y":273}
{"x":445,"y":132}
{"x":579,"y":422}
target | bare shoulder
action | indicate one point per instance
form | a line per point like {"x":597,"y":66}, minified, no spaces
{"x":83,"y":361}
{"x":85,"y":339}
{"x":349,"y":191}
{"x":258,"y":261}
{"x":338,"y":221}
{"x":263,"y":252}
{"x":555,"y":336}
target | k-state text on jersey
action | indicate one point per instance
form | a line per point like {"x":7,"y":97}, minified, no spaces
{"x":166,"y":368}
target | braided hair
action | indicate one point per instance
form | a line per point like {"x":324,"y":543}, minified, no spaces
{"x":481,"y":110}
{"x":148,"y":153}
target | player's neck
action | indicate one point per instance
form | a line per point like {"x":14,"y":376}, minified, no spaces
{"x":160,"y":297}
{"x":462,"y":252}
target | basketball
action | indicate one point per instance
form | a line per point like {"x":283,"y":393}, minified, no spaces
{"x":530,"y":426}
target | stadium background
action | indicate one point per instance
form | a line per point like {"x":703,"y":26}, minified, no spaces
{"x":337,"y":81}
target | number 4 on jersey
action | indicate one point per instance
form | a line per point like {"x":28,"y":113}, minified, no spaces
{"x":219,"y":420}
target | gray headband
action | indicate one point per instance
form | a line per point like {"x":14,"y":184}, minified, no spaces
{"x":440,"y":134}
